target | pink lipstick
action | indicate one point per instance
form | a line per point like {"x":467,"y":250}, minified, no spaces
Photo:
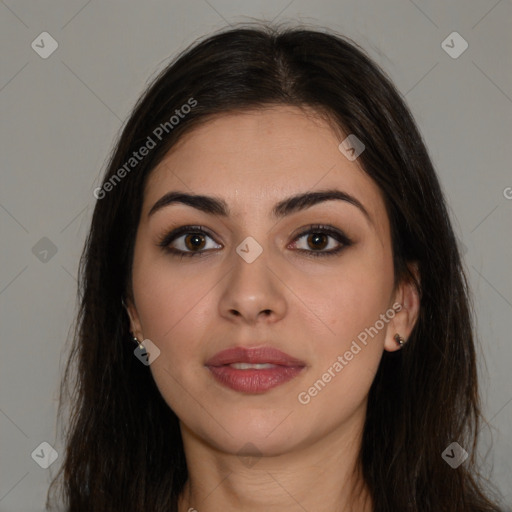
{"x":253,"y":370}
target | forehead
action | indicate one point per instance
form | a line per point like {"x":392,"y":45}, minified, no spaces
{"x":254,"y":158}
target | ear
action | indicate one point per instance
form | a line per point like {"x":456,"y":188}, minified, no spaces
{"x":407,"y":307}
{"x":135,"y":325}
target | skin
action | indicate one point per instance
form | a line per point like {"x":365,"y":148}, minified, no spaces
{"x":304,"y":455}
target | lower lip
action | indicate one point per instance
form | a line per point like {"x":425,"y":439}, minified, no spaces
{"x":254,"y":381}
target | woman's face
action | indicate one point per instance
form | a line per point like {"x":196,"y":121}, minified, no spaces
{"x":253,"y":277}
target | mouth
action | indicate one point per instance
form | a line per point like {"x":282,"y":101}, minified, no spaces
{"x":253,"y":370}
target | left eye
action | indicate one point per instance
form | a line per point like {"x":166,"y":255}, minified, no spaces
{"x":321,"y":241}
{"x":316,"y":241}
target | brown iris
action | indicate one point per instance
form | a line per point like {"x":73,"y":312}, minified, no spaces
{"x":317,"y":238}
{"x":196,"y":241}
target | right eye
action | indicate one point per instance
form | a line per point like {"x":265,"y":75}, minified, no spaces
{"x":186,"y":241}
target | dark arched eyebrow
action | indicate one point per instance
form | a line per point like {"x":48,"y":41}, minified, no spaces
{"x":217,"y":206}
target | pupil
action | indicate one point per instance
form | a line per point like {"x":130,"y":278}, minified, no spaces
{"x":315,"y":238}
{"x":197,"y":243}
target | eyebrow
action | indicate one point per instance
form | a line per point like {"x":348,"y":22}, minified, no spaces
{"x":217,"y":206}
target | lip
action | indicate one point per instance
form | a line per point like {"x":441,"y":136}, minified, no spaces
{"x":285,"y":368}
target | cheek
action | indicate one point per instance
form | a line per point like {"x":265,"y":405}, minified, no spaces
{"x":351,"y":297}
{"x":175,"y":310}
{"x":176,"y":305}
{"x":172,"y":303}
{"x":349,"y":352}
{"x":349,"y":343}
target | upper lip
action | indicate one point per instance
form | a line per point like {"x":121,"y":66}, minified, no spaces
{"x":255,"y":355}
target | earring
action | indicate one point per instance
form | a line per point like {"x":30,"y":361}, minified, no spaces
{"x":136,"y":340}
{"x":399,"y":340}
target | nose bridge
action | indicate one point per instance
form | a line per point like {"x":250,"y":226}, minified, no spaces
{"x":251,"y":286}
{"x":250,"y":266}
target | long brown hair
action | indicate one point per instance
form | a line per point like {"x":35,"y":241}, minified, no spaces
{"x":123,"y":444}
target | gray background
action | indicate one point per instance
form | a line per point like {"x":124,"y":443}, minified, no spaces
{"x":60,"y":116}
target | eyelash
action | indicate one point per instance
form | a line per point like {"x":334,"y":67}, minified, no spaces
{"x":339,"y":236}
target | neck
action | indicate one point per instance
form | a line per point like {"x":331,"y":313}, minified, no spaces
{"x":323,"y":476}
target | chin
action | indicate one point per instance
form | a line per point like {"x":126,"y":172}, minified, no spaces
{"x":265,"y":432}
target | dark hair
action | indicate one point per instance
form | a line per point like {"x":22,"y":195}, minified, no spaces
{"x":123,"y":445}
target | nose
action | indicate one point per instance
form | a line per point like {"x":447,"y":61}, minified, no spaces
{"x":253,"y":291}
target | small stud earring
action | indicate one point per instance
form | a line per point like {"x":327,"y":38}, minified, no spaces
{"x":399,"y":340}
{"x":136,"y":340}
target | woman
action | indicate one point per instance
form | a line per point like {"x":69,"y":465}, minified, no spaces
{"x":274,"y":314}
